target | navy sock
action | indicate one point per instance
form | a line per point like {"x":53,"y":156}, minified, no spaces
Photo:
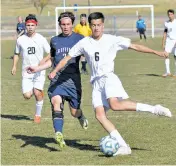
{"x":58,"y":124}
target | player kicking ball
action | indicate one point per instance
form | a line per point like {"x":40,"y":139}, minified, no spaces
{"x":108,"y":93}
{"x":31,"y":46}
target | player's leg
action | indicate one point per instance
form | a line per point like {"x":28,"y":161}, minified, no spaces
{"x":27,"y":87}
{"x":140,"y":34}
{"x":57,"y":117}
{"x":100,"y":105}
{"x":74,"y":102}
{"x":78,"y":113}
{"x":144,"y":34}
{"x":174,"y":52}
{"x":175,"y":64}
{"x":168,"y":48}
{"x":39,"y":104}
{"x":39,"y":81}
{"x":116,"y":96}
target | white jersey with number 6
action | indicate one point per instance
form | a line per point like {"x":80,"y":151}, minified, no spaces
{"x":171,"y":29}
{"x":32,"y":51}
{"x":100,"y":54}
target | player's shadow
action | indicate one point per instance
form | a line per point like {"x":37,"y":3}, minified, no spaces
{"x":152,"y":75}
{"x":42,"y":141}
{"x":80,"y":146}
{"x":15,"y":117}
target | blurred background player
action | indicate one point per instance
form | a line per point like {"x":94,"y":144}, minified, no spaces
{"x":31,"y":46}
{"x":83,"y":29}
{"x":169,"y":41}
{"x":20,"y":28}
{"x":67,"y":83}
{"x":141,"y":27}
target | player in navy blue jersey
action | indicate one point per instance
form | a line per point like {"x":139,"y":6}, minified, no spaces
{"x":66,"y":85}
{"x":20,"y":28}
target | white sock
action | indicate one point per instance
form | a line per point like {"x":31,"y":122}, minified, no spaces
{"x":145,"y":107}
{"x":117,"y":135}
{"x":167,"y":63}
{"x":39,"y":105}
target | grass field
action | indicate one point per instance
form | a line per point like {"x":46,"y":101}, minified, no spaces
{"x":151,"y":138}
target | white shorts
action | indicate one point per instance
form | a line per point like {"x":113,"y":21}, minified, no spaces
{"x":106,"y":87}
{"x":170,"y":46}
{"x":37,"y":82}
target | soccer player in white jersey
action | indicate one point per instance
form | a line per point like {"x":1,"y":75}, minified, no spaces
{"x":100,"y":51}
{"x":31,"y":46}
{"x":169,"y":41}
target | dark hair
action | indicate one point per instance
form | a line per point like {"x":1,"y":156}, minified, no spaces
{"x":31,"y":17}
{"x":66,"y":14}
{"x":83,"y":15}
{"x":95,"y":16}
{"x":170,"y":11}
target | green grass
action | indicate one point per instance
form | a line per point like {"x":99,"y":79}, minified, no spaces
{"x":23,"y":8}
{"x":151,"y":138}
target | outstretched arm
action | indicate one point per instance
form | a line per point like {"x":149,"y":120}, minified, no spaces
{"x":34,"y":69}
{"x":141,"y":48}
{"x":59,"y":66}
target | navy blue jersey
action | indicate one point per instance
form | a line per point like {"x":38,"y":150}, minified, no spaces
{"x":20,"y":27}
{"x":67,"y":82}
{"x":60,"y":46}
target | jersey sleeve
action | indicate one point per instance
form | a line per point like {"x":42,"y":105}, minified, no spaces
{"x":17,"y":48}
{"x":52,"y":50}
{"x":122,"y":43}
{"x":165,"y":27}
{"x":77,"y":49}
{"x":46,"y":46}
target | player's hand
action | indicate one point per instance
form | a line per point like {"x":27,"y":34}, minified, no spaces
{"x":13,"y":71}
{"x":31,"y":69}
{"x":52,"y":75}
{"x":161,"y":54}
{"x":166,"y":55}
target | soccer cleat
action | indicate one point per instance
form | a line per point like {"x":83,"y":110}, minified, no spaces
{"x":83,"y":122}
{"x":123,"y":150}
{"x":60,"y":139}
{"x":166,"y":75}
{"x":37,"y":119}
{"x":162,"y":111}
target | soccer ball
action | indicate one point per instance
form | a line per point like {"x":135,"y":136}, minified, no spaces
{"x":109,"y":145}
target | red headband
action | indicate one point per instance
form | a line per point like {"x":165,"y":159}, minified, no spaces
{"x":31,"y":21}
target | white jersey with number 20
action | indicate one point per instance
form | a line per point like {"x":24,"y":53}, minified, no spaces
{"x":32,"y":51}
{"x":100,"y":54}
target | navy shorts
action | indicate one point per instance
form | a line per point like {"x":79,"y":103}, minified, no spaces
{"x":141,"y":31}
{"x":70,"y":90}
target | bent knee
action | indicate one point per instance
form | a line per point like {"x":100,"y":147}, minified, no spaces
{"x":27,"y":95}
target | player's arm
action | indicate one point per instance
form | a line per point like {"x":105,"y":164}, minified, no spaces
{"x":20,"y":33}
{"x":45,"y":59}
{"x":59,"y":66}
{"x":164,"y":38}
{"x":44,"y":66}
{"x":141,"y":48}
{"x":15,"y":62}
